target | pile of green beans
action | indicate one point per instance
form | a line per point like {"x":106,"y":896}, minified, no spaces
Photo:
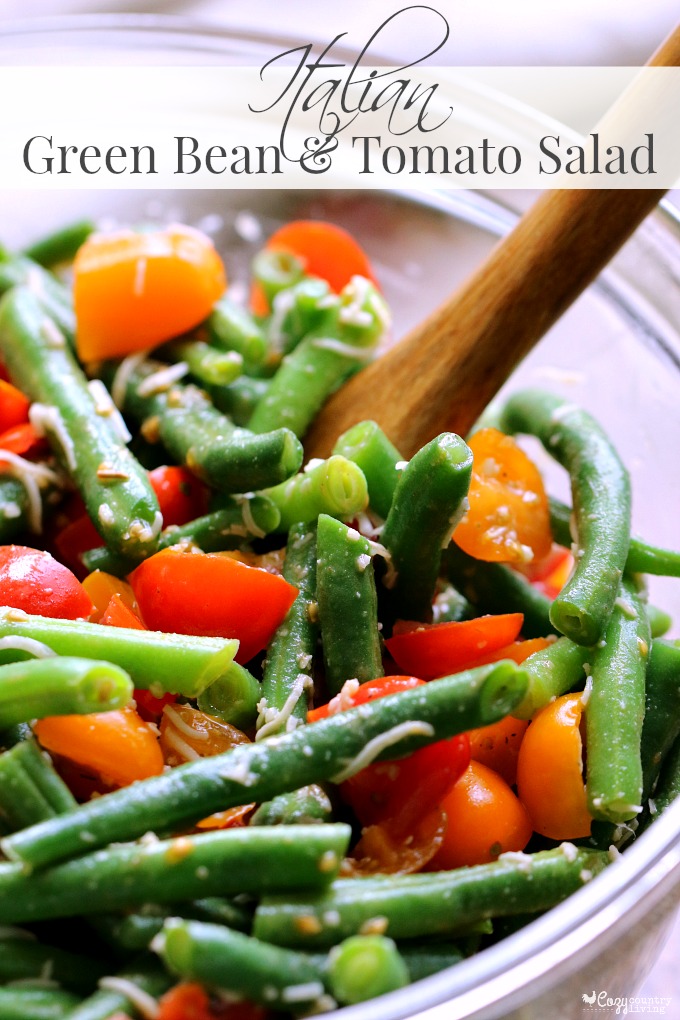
{"x":267,"y":908}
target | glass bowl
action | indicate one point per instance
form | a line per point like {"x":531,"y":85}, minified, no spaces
{"x":616,"y":352}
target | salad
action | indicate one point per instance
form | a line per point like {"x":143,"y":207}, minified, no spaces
{"x":279,"y":737}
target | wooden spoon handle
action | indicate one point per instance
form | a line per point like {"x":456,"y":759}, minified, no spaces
{"x":444,"y":372}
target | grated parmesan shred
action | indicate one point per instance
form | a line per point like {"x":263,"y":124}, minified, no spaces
{"x":330,"y":343}
{"x":43,"y":417}
{"x":178,"y":722}
{"x":374,"y":747}
{"x":105,"y":408}
{"x":31,"y":476}
{"x":144,"y":1003}
{"x":162,"y":380}
{"x":37,"y":649}
{"x":271,"y":720}
{"x":124,"y":373}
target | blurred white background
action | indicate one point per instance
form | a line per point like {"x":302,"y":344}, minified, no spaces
{"x":482,"y":32}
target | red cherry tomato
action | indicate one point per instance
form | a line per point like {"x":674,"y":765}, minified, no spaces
{"x":440,"y":649}
{"x":211,"y":594}
{"x":34,"y":581}
{"x":181,"y":496}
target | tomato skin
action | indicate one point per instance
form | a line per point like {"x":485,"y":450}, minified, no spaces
{"x":497,"y":746}
{"x":508,"y":519}
{"x":24,"y":441}
{"x":32,"y":580}
{"x":118,"y":746}
{"x":440,"y":649}
{"x":101,"y":587}
{"x":549,"y":771}
{"x":211,"y":595}
{"x":119,"y":614}
{"x":485,"y":820}
{"x":74,"y":539}
{"x":383,"y":849}
{"x":13,"y":406}
{"x":181,"y":496}
{"x":136,"y":290}
{"x":189,"y":1001}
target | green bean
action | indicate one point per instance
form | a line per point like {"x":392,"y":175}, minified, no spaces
{"x":13,"y":509}
{"x":19,"y":271}
{"x":234,"y":697}
{"x":495,"y":588}
{"x":643,"y":558}
{"x":14,"y":735}
{"x":348,"y":605}
{"x":553,"y":671}
{"x":411,"y":906}
{"x":307,"y":806}
{"x":259,"y":771}
{"x":239,"y":400}
{"x":61,"y":245}
{"x":232,"y":328}
{"x":60,"y":686}
{"x":135,"y":932}
{"x":275,"y":271}
{"x":146,"y":974}
{"x":239,"y":519}
{"x":367,"y":446}
{"x":661,"y":726}
{"x":336,"y":487}
{"x":659,"y":621}
{"x":424,"y":960}
{"x":196,"y":434}
{"x":161,"y":663}
{"x":296,"y":311}
{"x":218,"y":863}
{"x":429,"y":499}
{"x":205,"y":364}
{"x":116,"y":490}
{"x":287,"y":673}
{"x":23,"y":959}
{"x":601,"y":497}
{"x":333,"y":351}
{"x":35,"y":1003}
{"x":668,"y":785}
{"x":615,"y":712}
{"x":30,"y":789}
{"x":364,"y":966}
{"x":240,"y":964}
{"x":450,"y":606}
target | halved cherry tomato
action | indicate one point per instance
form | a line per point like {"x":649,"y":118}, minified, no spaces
{"x":24,"y":441}
{"x":32,"y":580}
{"x":440,"y":649}
{"x":135,"y":290}
{"x":325,"y":249}
{"x":497,"y":746}
{"x":118,"y":746}
{"x":406,"y":790}
{"x":151,"y":708}
{"x":74,"y":539}
{"x":232,"y":818}
{"x":186,"y":733}
{"x":181,"y":496}
{"x":13,"y":406}
{"x":101,"y":587}
{"x":508,"y":519}
{"x":119,"y":614}
{"x":518,"y":651}
{"x":383,"y":849}
{"x":553,"y":572}
{"x":485,"y":820}
{"x":550,"y":771}
{"x":213,"y":595}
{"x":189,"y":1001}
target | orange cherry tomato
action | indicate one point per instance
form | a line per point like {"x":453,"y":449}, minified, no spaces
{"x":325,"y":249}
{"x":508,"y":519}
{"x":101,"y":587}
{"x":384,"y":850}
{"x":32,"y":580}
{"x":135,"y":290}
{"x":119,"y":614}
{"x":497,"y":746}
{"x":518,"y":651}
{"x":550,"y":771}
{"x":553,"y":572}
{"x":13,"y":406}
{"x":440,"y":649}
{"x":181,"y":496}
{"x":118,"y":746}
{"x":187,"y":734}
{"x":212,"y":595}
{"x":485,"y":820}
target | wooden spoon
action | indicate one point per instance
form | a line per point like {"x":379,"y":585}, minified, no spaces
{"x":445,"y":371}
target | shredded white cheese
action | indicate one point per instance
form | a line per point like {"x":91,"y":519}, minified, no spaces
{"x":105,"y":408}
{"x":124,"y":373}
{"x":271,"y":720}
{"x":43,"y":418}
{"x":141,"y":1000}
{"x":27,"y":644}
{"x":106,"y":515}
{"x":569,"y":851}
{"x":11,"y":510}
{"x":143,"y":532}
{"x":330,"y":343}
{"x":247,"y":514}
{"x":380,"y":743}
{"x":178,"y":744}
{"x":178,"y":722}
{"x":238,"y":772}
{"x":32,"y":477}
{"x":51,"y":334}
{"x":626,"y":608}
{"x":302,"y":992}
{"x":162,"y":380}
